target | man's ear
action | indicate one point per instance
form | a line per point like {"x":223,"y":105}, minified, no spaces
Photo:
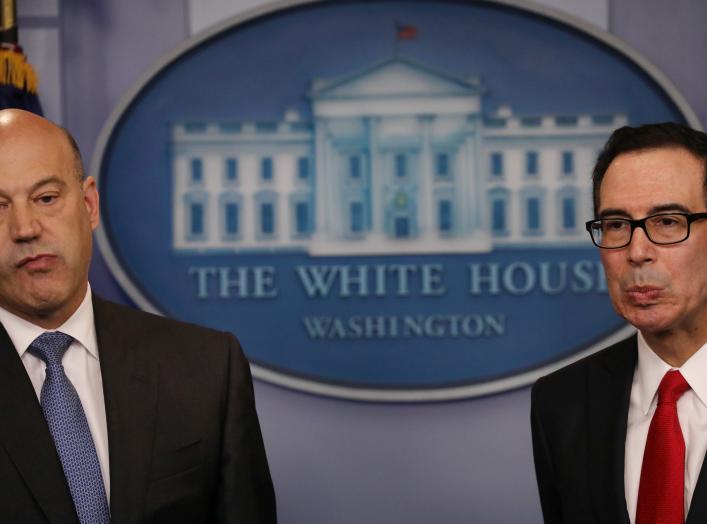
{"x":90,"y":198}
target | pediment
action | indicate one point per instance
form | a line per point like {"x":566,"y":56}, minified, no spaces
{"x":394,"y":78}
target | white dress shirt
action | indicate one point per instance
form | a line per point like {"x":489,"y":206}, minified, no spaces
{"x":692,"y":414}
{"x":81,"y":365}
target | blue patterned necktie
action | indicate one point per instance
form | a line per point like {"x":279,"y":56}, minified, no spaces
{"x":69,"y":428}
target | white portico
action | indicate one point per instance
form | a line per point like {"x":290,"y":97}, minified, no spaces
{"x":398,"y":142}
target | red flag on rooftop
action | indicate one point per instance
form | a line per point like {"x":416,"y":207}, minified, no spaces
{"x":405,"y":32}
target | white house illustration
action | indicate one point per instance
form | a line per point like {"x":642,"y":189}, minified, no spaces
{"x":397,"y":158}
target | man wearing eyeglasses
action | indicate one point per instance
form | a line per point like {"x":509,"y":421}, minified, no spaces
{"x":620,"y":436}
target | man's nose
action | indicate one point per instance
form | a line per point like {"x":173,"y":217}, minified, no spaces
{"x":641,"y":250}
{"x":24,"y":224}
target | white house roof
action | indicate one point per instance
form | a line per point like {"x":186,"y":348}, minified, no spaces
{"x":392,"y":78}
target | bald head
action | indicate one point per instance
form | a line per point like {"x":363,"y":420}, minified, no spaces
{"x":47,"y":218}
{"x":16,"y":124}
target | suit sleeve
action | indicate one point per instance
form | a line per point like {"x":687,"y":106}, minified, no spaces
{"x":544,"y":470}
{"x":245,"y":494}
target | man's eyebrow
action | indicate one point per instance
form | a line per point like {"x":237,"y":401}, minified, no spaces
{"x":614,"y":212}
{"x":39,"y":184}
{"x":45,"y":181}
{"x":663,"y":208}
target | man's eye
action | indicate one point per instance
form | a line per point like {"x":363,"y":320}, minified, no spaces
{"x":614,"y":225}
{"x":666,"y":221}
{"x":46,"y":199}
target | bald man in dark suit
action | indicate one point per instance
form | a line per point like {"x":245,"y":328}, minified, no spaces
{"x":156,"y":419}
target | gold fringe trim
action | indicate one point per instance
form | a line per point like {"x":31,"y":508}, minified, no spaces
{"x":16,"y":71}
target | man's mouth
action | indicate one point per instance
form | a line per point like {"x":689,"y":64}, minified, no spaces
{"x":643,"y":294}
{"x":37,"y":262}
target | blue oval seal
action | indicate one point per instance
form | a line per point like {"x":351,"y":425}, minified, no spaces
{"x":384,"y":201}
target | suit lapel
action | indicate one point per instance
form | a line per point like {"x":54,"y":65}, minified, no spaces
{"x":698,"y":507}
{"x":27,"y":440}
{"x":697,"y":514}
{"x":130,"y":393}
{"x":609,"y":395}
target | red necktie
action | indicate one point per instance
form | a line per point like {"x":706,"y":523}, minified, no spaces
{"x":661,"y":493}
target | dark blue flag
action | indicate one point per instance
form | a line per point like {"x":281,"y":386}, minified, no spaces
{"x":18,"y":81}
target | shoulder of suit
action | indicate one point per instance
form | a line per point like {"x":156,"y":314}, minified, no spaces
{"x":569,"y":378}
{"x":125,"y":317}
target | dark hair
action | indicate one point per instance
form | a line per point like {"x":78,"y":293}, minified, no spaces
{"x":650,"y":136}
{"x":78,"y":162}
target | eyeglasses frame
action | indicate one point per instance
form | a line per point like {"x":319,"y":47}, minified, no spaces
{"x":641,"y":223}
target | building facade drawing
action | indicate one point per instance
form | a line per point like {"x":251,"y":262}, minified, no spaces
{"x":397,"y":158}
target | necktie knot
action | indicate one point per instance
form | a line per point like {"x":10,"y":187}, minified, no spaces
{"x":50,"y":346}
{"x":672,"y":387}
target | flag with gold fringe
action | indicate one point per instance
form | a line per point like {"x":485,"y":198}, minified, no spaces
{"x":18,"y":80}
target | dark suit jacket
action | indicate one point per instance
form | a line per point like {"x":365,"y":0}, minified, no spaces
{"x":183,"y":435}
{"x":579,"y":416}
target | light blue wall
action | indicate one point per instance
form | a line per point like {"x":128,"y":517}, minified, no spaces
{"x":345,"y":462}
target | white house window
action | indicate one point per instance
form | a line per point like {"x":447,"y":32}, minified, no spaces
{"x":496,"y":161}
{"x":267,"y":218}
{"x":569,"y":213}
{"x":231,"y":170}
{"x":303,"y":167}
{"x":402,"y":226}
{"x":533,"y":205}
{"x":532,"y":214}
{"x":401,"y":165}
{"x":302,"y":218}
{"x":499,"y":203}
{"x":356,"y":217}
{"x":196,"y":171}
{"x":266,"y":215}
{"x":444,"y":210}
{"x":196,"y":224}
{"x":531,"y":163}
{"x":231,"y":205}
{"x":196,"y":213}
{"x":355,"y":166}
{"x":567,"y":162}
{"x":443,"y":168}
{"x":301,"y":215}
{"x":266,"y":168}
{"x":567,"y":208}
{"x":231,"y":218}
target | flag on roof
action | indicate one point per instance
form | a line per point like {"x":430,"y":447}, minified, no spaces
{"x":405,"y":32}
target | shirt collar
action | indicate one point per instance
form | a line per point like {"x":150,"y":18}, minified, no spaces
{"x":694,"y":371}
{"x":79,"y":326}
{"x":651,"y":369}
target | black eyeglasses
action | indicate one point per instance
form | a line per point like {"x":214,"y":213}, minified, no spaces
{"x":661,"y":229}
